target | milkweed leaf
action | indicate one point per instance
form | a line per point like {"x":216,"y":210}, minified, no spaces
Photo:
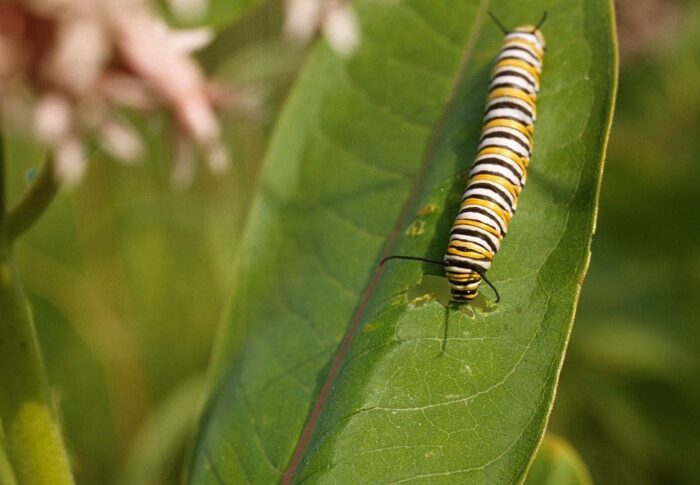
{"x":331,"y":369}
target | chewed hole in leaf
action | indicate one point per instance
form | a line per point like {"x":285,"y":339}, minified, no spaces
{"x":423,"y":299}
{"x":482,"y":304}
{"x":428,"y":209}
{"x":416,"y":228}
{"x":371,"y":327}
{"x":437,"y":288}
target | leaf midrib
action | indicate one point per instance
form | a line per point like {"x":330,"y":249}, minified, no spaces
{"x":339,"y":357}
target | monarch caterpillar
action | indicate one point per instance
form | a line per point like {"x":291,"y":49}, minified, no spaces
{"x":499,"y":171}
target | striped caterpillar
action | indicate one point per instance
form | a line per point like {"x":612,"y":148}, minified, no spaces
{"x":499,"y":171}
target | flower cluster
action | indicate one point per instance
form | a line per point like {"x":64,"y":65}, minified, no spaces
{"x":67,"y":67}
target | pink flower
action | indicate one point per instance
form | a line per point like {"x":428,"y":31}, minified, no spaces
{"x":334,"y":18}
{"x":82,"y":61}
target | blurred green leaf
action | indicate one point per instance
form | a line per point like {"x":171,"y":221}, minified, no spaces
{"x":219,"y":15}
{"x":362,"y":146}
{"x":648,"y":352}
{"x":629,"y":396}
{"x":7,"y":476}
{"x":557,"y":463}
{"x":262,"y":64}
{"x":163,"y":435}
{"x":223,"y":13}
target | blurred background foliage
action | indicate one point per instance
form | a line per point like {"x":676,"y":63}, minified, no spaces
{"x":129,"y":277}
{"x":629,"y":398}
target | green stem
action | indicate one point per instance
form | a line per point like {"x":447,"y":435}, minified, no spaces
{"x":34,"y":203}
{"x":2,"y":186}
{"x":32,"y":433}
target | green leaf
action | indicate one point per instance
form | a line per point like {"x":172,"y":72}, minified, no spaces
{"x":161,"y":438}
{"x":7,"y":476}
{"x":331,"y":369}
{"x":557,"y":463}
{"x":219,"y":15}
{"x":222,"y":13}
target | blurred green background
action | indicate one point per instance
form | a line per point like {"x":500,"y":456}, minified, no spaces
{"x":629,"y":398}
{"x":129,"y":277}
